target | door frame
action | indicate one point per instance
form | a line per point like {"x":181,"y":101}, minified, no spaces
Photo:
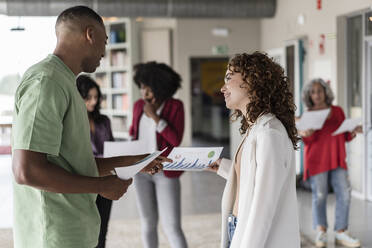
{"x":367,"y":118}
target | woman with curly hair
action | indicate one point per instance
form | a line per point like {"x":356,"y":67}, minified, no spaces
{"x":158,"y":119}
{"x":259,"y":204}
{"x":325,"y":163}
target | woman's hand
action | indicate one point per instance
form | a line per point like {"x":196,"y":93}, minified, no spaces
{"x":150,"y":108}
{"x":214,"y":166}
{"x":358,"y":129}
{"x":306,"y":133}
{"x":156,"y":165}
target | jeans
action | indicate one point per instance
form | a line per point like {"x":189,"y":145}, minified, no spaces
{"x":159,"y":195}
{"x":339,"y":181}
{"x":104,"y":208}
{"x":232,"y":221}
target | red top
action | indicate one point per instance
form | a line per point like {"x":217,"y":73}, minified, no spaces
{"x":324,"y":152}
{"x":171,"y":136}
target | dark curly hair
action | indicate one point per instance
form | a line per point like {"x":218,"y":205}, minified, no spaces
{"x":161,"y":78}
{"x":84,"y":84}
{"x":268,"y":92}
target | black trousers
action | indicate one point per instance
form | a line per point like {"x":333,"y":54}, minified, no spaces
{"x":104,"y":208}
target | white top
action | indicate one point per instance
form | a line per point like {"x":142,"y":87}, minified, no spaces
{"x":267,"y":208}
{"x":148,"y":128}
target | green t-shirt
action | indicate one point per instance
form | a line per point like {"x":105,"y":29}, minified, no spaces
{"x":51,"y":117}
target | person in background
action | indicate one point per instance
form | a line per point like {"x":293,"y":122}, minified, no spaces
{"x":100,"y":131}
{"x":158,"y":119}
{"x":325,"y":163}
{"x":259,"y":203}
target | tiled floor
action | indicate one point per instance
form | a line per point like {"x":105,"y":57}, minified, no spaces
{"x":360,"y":218}
{"x":201,"y":194}
{"x":6,"y":196}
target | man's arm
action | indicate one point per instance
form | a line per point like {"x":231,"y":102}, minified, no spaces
{"x":33,"y":169}
{"x":106,"y":165}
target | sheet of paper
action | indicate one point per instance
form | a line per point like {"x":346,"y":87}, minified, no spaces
{"x":348,"y":125}
{"x":312,"y":119}
{"x":192,"y":158}
{"x":123,"y":148}
{"x":129,"y":171}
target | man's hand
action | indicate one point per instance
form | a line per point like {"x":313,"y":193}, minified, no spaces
{"x":113,"y":187}
{"x":156,"y":165}
{"x":214,"y":166}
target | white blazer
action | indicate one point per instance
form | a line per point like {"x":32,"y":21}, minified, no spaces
{"x":267,"y":209}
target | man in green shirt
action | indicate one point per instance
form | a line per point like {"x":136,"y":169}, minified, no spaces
{"x":57,"y":178}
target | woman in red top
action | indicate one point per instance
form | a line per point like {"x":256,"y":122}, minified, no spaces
{"x":325,"y":162}
{"x":159,"y":120}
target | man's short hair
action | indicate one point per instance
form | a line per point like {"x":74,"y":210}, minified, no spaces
{"x":78,"y":12}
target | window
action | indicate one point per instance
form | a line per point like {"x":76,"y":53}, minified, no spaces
{"x":368,"y":22}
{"x":354,"y":60}
{"x":25,"y":41}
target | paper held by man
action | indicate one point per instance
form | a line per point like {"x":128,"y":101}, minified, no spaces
{"x":128,"y":148}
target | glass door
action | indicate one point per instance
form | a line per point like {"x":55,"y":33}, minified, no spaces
{"x":368,"y":123}
{"x":355,"y":102}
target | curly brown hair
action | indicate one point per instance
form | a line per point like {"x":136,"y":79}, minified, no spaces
{"x":268,"y":92}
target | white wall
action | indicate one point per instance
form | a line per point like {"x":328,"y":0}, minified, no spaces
{"x":276,"y":31}
{"x":193,"y":38}
{"x":284,"y":26}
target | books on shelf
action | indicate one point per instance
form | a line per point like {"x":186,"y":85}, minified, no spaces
{"x":120,"y":102}
{"x":113,"y":76}
{"x":117,"y":35}
{"x":125,"y":103}
{"x":119,"y":58}
{"x":118,"y":80}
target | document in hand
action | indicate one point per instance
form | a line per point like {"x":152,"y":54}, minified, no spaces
{"x":192,"y":158}
{"x":131,"y":170}
{"x":348,"y":125}
{"x":312,"y":119}
{"x":124,"y":148}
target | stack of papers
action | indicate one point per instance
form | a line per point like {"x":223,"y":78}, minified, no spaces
{"x":192,"y":158}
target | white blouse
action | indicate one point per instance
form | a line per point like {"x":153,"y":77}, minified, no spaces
{"x":148,"y":128}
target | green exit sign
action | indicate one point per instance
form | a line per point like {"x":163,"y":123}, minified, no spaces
{"x":220,"y":50}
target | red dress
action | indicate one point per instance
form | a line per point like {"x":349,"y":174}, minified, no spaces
{"x":324,"y":152}
{"x":171,"y":136}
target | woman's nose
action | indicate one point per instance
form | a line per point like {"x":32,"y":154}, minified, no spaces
{"x":223,"y":88}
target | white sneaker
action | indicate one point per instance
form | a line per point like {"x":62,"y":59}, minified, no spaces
{"x":344,"y":239}
{"x":321,"y":239}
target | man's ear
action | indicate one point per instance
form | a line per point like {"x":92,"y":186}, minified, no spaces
{"x":89,"y":34}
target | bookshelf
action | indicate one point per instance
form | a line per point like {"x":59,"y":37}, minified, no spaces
{"x":114,"y":76}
